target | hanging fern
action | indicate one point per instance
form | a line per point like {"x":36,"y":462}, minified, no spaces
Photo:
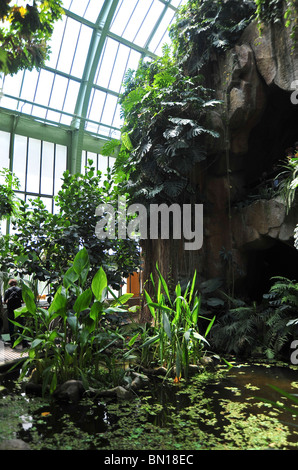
{"x":164,"y":114}
{"x":203,"y":26}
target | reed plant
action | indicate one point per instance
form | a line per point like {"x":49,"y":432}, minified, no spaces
{"x":176,"y":341}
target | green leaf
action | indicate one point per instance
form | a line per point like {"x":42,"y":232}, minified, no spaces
{"x":73,"y":322}
{"x":59,"y":303}
{"x":151,"y":340}
{"x":83,"y":301}
{"x":70,"y":277}
{"x":122,"y":299}
{"x":29,"y":299}
{"x":36,"y":342}
{"x":199,"y":337}
{"x":81,"y":261}
{"x":149,"y":303}
{"x":166,"y":325}
{"x":96,"y":308}
{"x":99,"y":284}
{"x":84,"y":335}
{"x":71,"y":348}
{"x":164,"y":284}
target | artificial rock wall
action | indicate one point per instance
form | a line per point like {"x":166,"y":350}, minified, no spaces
{"x":257,"y":122}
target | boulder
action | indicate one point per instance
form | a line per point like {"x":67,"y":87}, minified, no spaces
{"x":14,"y":444}
{"x":70,"y":391}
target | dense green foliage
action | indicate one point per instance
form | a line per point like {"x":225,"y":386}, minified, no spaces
{"x":43,"y":244}
{"x":164,"y":114}
{"x":25,"y":32}
{"x":68,"y":340}
{"x":203,"y":27}
{"x":173,"y":340}
{"x":8,"y":201}
{"x":263,"y":329}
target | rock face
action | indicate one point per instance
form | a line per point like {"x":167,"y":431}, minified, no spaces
{"x":257,"y":122}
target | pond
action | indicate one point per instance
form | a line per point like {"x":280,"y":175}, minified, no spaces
{"x":217,"y":410}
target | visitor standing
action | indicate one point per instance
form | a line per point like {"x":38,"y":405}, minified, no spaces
{"x":13,"y":300}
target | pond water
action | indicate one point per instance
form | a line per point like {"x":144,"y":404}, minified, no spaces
{"x":214,"y":411}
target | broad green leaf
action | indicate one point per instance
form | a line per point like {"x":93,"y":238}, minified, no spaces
{"x":36,"y":342}
{"x":29,"y":299}
{"x":96,"y":308}
{"x":84,"y":335}
{"x":83,"y":301}
{"x":178,"y":361}
{"x":199,"y":337}
{"x":81,"y":261}
{"x":122,"y":299}
{"x":59,"y":303}
{"x":70,"y":277}
{"x":73,"y":322}
{"x":99,"y":284}
{"x":19,"y":311}
{"x":71,"y":348}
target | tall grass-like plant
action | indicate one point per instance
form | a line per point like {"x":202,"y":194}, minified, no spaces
{"x":68,"y":339}
{"x":175,"y":341}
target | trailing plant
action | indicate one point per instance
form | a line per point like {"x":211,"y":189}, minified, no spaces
{"x":174,"y":338}
{"x":25,"y":32}
{"x":205,"y":26}
{"x":164,"y":114}
{"x":68,"y":340}
{"x":277,"y":11}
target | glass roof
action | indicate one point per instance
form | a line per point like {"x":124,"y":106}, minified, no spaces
{"x":93,"y":46}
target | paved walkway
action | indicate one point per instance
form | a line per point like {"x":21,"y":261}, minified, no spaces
{"x":9,"y":356}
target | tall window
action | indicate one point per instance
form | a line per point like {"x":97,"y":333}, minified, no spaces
{"x":39,"y":165}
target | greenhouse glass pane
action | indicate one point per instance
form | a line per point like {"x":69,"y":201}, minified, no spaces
{"x":82,"y":47}
{"x":88,"y":9}
{"x":44,"y":86}
{"x":161,"y":35}
{"x":29,"y":85}
{"x":33,"y":170}
{"x":96,"y":104}
{"x":47,"y":168}
{"x":102,"y":165}
{"x":146,"y":26}
{"x":122,"y":16}
{"x":69,"y":102}
{"x":55,"y":42}
{"x":108,"y":110}
{"x":93,"y":9}
{"x":68,"y":46}
{"x":106,"y":66}
{"x":19,"y":159}
{"x":60,"y":166}
{"x":12,"y":85}
{"x":48,"y":203}
{"x":4,"y":145}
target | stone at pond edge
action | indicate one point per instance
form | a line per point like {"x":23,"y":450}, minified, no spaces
{"x":71,"y":390}
{"x":14,"y":444}
{"x":119,"y":392}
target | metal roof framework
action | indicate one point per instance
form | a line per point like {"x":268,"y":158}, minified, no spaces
{"x":73,"y":99}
